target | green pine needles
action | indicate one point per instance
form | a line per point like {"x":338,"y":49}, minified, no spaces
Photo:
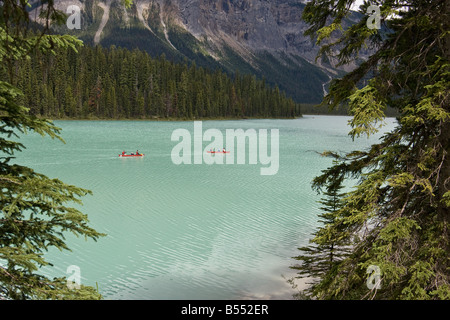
{"x":397,"y":216}
{"x":35,"y":211}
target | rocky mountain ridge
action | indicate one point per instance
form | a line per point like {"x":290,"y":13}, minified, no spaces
{"x":248,"y":36}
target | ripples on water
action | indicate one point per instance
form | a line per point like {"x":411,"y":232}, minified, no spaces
{"x":187,"y":231}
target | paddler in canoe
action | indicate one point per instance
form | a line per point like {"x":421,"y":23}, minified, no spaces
{"x":124,"y":154}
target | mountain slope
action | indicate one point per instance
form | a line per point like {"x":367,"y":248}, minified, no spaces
{"x":260,"y":37}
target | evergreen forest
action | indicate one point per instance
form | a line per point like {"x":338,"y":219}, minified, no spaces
{"x":116,"y":83}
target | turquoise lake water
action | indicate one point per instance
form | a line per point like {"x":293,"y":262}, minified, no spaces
{"x":185,"y":231}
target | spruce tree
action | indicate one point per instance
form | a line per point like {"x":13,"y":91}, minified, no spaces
{"x":35,"y":210}
{"x":327,"y":249}
{"x":397,"y":217}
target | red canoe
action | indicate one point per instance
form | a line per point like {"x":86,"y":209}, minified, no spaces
{"x":218,"y":151}
{"x":130,"y":155}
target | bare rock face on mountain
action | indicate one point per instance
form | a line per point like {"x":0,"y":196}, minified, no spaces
{"x":255,"y":24}
{"x":247,"y":26}
{"x":261,"y":37}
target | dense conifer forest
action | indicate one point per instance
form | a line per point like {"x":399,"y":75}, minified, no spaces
{"x":116,"y":83}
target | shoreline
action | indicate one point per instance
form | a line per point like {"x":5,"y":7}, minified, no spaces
{"x":171,"y":119}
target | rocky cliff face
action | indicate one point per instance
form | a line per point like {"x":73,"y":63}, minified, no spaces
{"x":257,"y":36}
{"x":255,"y":25}
{"x":246,"y":26}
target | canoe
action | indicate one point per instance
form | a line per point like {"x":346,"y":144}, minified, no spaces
{"x":130,"y":155}
{"x":218,"y":151}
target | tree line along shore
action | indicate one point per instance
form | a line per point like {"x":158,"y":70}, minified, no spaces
{"x":116,"y":83}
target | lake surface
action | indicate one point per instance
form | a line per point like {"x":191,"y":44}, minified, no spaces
{"x":184,"y":231}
